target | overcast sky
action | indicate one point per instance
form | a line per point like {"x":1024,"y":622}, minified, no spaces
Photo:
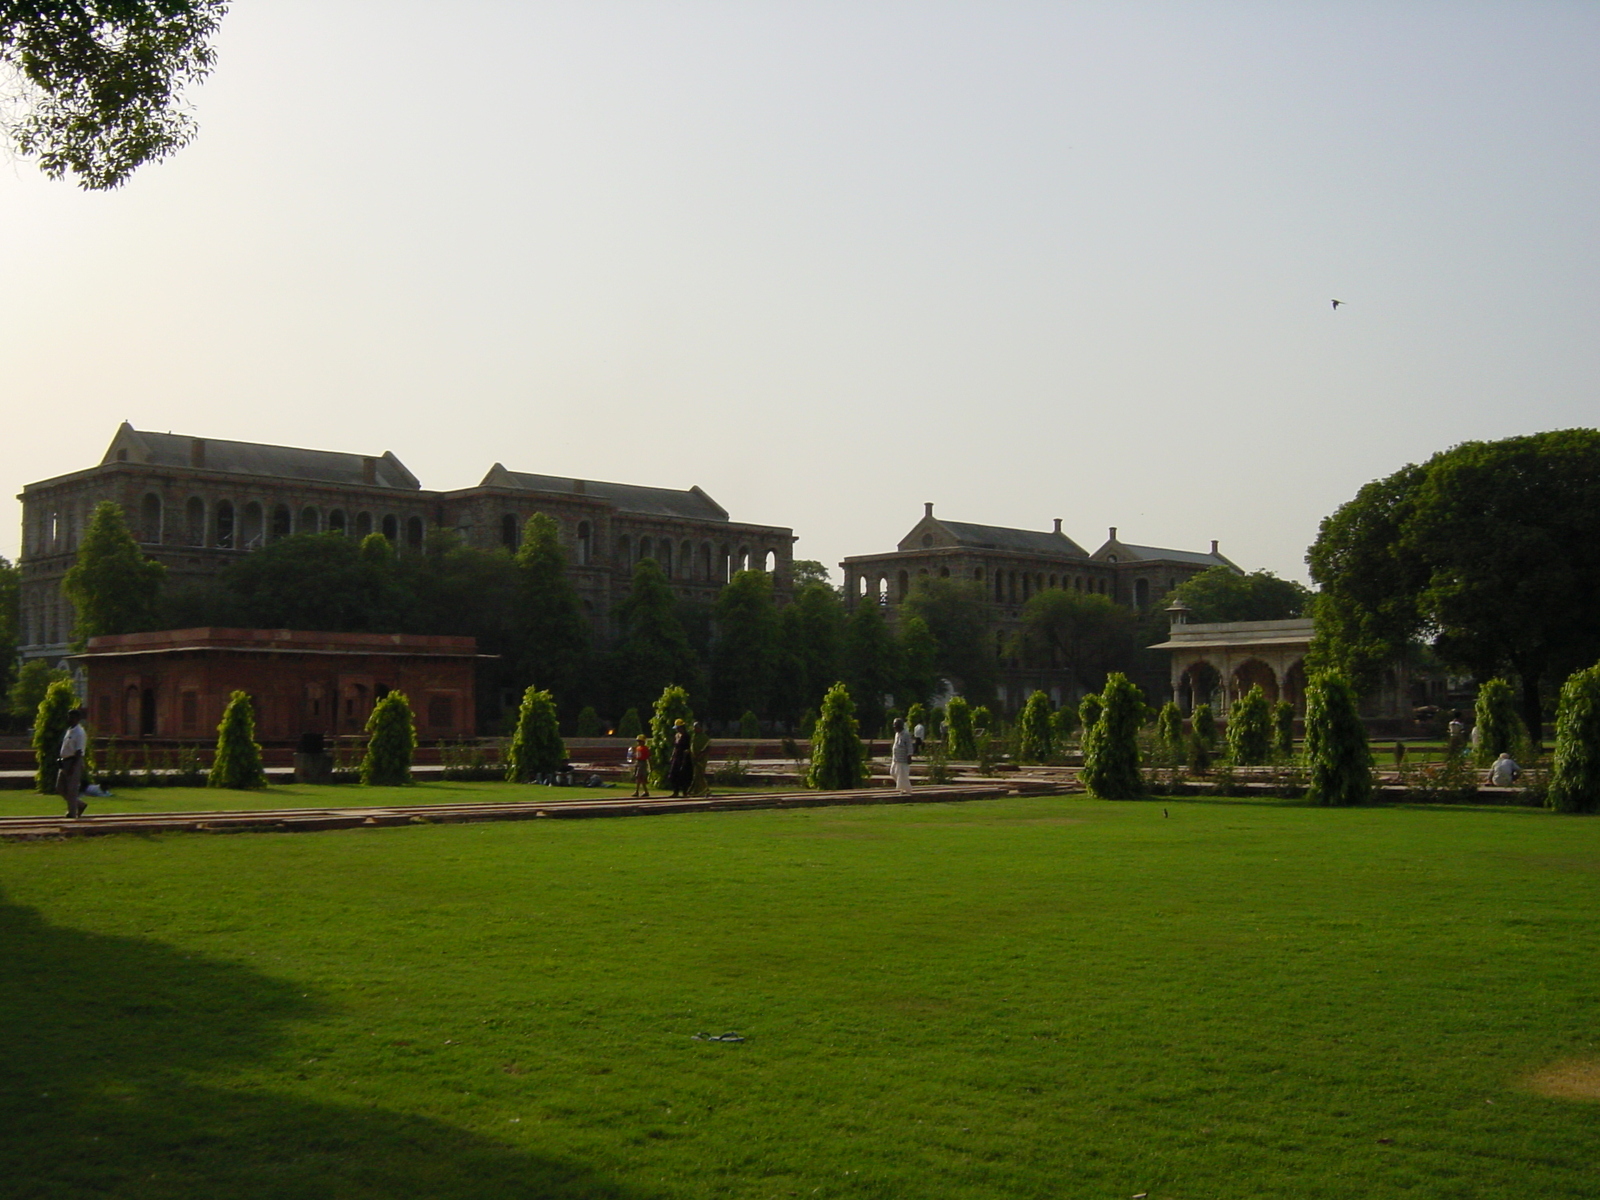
{"x":832,"y":260}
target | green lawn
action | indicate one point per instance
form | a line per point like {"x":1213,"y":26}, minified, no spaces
{"x":1049,"y":997}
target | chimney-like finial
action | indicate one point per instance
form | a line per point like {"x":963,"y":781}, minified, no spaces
{"x":1113,"y":533}
{"x":1214,"y":545}
{"x":927,"y":509}
{"x":1058,"y":524}
{"x":369,"y":470}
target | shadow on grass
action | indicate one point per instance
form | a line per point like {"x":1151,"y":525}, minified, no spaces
{"x":105,"y":1037}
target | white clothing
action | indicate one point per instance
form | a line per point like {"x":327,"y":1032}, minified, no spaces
{"x":73,"y":741}
{"x":902,"y":775}
{"x":1504,"y":772}
{"x":919,"y":733}
{"x":902,"y":749}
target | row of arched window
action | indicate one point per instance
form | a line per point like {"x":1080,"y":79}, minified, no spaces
{"x":248,"y":526}
{"x":1011,"y":587}
{"x":683,"y":560}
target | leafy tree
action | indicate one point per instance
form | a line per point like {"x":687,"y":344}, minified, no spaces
{"x":102,"y":82}
{"x":957,"y":614}
{"x":113,"y":587}
{"x":629,"y":727}
{"x":919,"y":658}
{"x":1204,"y":726}
{"x":870,"y":666}
{"x":1036,"y":742}
{"x":1065,"y":720}
{"x":1169,"y":728}
{"x":34,"y":679}
{"x":1111,"y":756}
{"x":749,"y":726}
{"x":317,"y":581}
{"x":536,"y":747}
{"x":1495,"y":718}
{"x":837,"y":758}
{"x":1337,"y":752}
{"x":1250,"y":728}
{"x":745,"y":652}
{"x":654,"y":652}
{"x":958,"y":729}
{"x":10,"y":620}
{"x":1089,"y":710}
{"x":1081,"y":632}
{"x":672,"y":704}
{"x":810,"y":640}
{"x":1493,"y":548}
{"x":1575,"y":770}
{"x":1221,"y":593}
{"x":588,"y":723}
{"x":1283,"y":728}
{"x":49,"y":727}
{"x":238,"y":759}
{"x":552,"y":635}
{"x":982,"y":719}
{"x":916,"y":714}
{"x":808,"y":572}
{"x":391,"y":741}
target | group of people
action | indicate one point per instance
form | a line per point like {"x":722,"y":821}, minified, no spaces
{"x":686,"y":767}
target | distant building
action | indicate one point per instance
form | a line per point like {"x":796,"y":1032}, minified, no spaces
{"x":197,"y":504}
{"x":1010,"y":566}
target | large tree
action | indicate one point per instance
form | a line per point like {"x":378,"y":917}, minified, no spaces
{"x":810,"y":637}
{"x":1491,"y":549}
{"x":871,"y":666}
{"x":102,"y":81}
{"x":1087,"y":634}
{"x":956,"y":614}
{"x":653,"y":652}
{"x":745,"y":652}
{"x":10,"y":616}
{"x":319,"y":581}
{"x":1221,"y":593}
{"x":113,"y":587}
{"x":551,"y":633}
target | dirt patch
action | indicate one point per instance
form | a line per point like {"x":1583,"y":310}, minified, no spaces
{"x":1569,"y":1079}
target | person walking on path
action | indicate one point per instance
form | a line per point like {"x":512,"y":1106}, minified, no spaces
{"x":919,"y":734}
{"x":900,"y":751}
{"x":700,"y":748}
{"x":641,"y":767}
{"x":74,"y":749}
{"x":1505,"y":770}
{"x":680,"y":767}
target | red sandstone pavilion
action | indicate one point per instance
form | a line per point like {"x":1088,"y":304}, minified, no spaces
{"x":175,"y":683}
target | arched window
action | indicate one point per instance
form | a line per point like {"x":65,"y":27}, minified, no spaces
{"x":281,"y":527}
{"x":883,"y":589}
{"x":391,"y":528}
{"x":363,"y":524}
{"x":251,"y":530}
{"x":1141,"y":592}
{"x":194,"y":521}
{"x":905,"y":584}
{"x":646,"y":549}
{"x":310,"y":520}
{"x":665,"y":554}
{"x":414,"y":533}
{"x":927,"y":541}
{"x":585,"y":543}
{"x":225,"y":524}
{"x":508,"y":531}
{"x":686,"y":559}
{"x":743,"y":559}
{"x":337,"y":522}
{"x":769,"y":560}
{"x":725,"y":571}
{"x":149,"y":519}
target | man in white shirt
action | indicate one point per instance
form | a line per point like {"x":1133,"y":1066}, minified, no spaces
{"x":1505,"y":770}
{"x":900,"y":756}
{"x":69,"y":780}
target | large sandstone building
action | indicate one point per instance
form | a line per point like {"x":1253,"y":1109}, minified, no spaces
{"x":196,"y":504}
{"x":1011,"y":565}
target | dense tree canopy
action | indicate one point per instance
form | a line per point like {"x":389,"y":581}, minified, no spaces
{"x":957,"y":617}
{"x":102,"y":80}
{"x":113,"y":587}
{"x":810,"y":645}
{"x":10,"y":616}
{"x":1491,"y":549}
{"x":1222,"y":594}
{"x":549,"y":629}
{"x":1082,"y":632}
{"x":654,"y":652}
{"x":745,"y":653}
{"x":871,"y":665}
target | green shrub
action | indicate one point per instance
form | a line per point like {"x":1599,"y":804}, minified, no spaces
{"x":391,"y":741}
{"x":958,"y":724}
{"x":1337,"y":754}
{"x":237,"y":763}
{"x":1111,"y":755}
{"x":670,"y":705}
{"x":588,"y":723}
{"x":1283,"y":728}
{"x":536,"y":747}
{"x":916,"y":715}
{"x":983,"y":720}
{"x":1203,"y":725}
{"x":1065,"y":720}
{"x":750,"y":726}
{"x":28,"y":689}
{"x":1036,"y":737}
{"x":837,"y":759}
{"x":1496,"y":720}
{"x":629,"y":726}
{"x":1250,"y":729}
{"x":1169,"y":730}
{"x":1575,"y":771}
{"x":49,"y":727}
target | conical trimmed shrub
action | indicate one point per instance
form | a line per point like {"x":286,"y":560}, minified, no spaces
{"x":837,"y":760}
{"x":1337,"y":753}
{"x":238,"y":759}
{"x":391,"y":741}
{"x":672,"y":704}
{"x":1250,"y":729}
{"x":959,"y":742}
{"x":49,"y":727}
{"x":1111,"y":752}
{"x":1498,"y":725}
{"x":536,"y":747}
{"x":1575,"y":770}
{"x":1036,"y":738}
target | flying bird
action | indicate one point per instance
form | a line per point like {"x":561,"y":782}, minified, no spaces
{"x":1336,"y":303}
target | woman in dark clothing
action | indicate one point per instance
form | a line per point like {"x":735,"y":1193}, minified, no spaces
{"x":680,"y":767}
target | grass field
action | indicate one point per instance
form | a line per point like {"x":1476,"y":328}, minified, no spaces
{"x":1049,"y":997}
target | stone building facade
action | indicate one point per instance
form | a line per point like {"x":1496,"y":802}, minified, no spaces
{"x":175,"y":683}
{"x":196,"y":504}
{"x":1010,"y":566}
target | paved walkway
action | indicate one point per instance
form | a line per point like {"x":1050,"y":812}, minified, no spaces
{"x":305,"y":820}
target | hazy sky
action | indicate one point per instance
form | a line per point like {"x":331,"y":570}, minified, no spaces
{"x":831,"y":260}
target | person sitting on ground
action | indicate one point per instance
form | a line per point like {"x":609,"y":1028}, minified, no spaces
{"x":1504,"y":772}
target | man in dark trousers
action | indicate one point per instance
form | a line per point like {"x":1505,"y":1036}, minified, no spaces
{"x":74,"y":750}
